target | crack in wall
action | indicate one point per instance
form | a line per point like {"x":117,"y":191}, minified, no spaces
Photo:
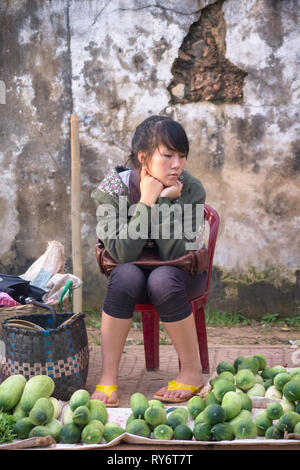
{"x":145,"y":7}
{"x":157,"y":5}
{"x":201,"y":71}
{"x":100,"y":13}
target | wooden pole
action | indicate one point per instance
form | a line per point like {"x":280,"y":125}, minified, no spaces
{"x":76,"y":210}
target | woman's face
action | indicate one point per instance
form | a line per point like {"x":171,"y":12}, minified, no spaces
{"x":166,"y":165}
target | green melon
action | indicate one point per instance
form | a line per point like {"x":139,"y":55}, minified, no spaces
{"x":288,"y":421}
{"x":175,"y":418}
{"x":112,"y":430}
{"x":138,"y":427}
{"x":277,"y":370}
{"x":245,"y":429}
{"x":273,"y":433}
{"x":202,"y":432}
{"x":78,"y":398}
{"x":295,"y":371}
{"x":210,"y":399}
{"x":244,"y":379}
{"x":222,"y":432}
{"x":214,"y":414}
{"x":263,"y":422}
{"x":98,"y":411}
{"x":139,"y":403}
{"x":70,"y":434}
{"x":262,"y":361}
{"x":250,"y":363}
{"x":221,"y":387}
{"x":163,"y":432}
{"x":291,"y":390}
{"x":225,"y":366}
{"x":81,"y":415}
{"x":258,"y":390}
{"x":92,"y":433}
{"x":281,"y":379}
{"x":183,"y":432}
{"x":226,"y":375}
{"x":155,"y":415}
{"x":246,"y":402}
{"x":232,"y":404}
{"x":274,"y":410}
{"x":195,"y":405}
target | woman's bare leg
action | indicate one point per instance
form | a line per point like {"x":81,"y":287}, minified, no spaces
{"x":184,"y":338}
{"x":114,"y":332}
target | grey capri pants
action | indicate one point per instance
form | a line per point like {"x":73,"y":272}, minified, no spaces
{"x":168,"y":288}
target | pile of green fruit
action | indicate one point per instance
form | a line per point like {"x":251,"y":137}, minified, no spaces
{"x":226,"y":411}
{"x":28,"y":409}
{"x":150,"y":419}
{"x":86,"y":420}
{"x":228,"y":405}
{"x":35,"y":412}
{"x":30,"y":405}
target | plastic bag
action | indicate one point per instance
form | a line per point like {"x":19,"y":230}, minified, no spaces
{"x":46,"y":266}
{"x":57,"y":283}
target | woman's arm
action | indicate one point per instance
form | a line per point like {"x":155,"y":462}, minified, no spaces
{"x":124,"y":237}
{"x":181,"y":221}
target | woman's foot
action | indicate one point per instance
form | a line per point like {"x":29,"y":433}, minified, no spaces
{"x":193,"y":379}
{"x":107,"y":394}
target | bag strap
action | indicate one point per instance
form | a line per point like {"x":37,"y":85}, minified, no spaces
{"x":134,"y":186}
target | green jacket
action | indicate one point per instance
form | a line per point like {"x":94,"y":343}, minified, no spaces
{"x":124,"y":248}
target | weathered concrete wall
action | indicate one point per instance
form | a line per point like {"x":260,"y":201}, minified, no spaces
{"x":35,"y":162}
{"x":227,"y":70}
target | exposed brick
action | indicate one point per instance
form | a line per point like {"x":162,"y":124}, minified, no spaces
{"x":201,"y":65}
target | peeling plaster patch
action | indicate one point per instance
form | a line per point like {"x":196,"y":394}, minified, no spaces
{"x":269,"y":42}
{"x":55,"y":90}
{"x":24,"y":89}
{"x":201,"y":66}
{"x":25,"y":36}
{"x":9,"y":214}
{"x":252,"y":52}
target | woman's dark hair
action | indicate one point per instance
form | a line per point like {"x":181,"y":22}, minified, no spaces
{"x":154,"y":131}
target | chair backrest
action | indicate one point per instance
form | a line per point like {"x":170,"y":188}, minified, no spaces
{"x":213,"y":220}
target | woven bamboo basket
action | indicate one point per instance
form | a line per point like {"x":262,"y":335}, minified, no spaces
{"x":59,"y":349}
{"x":29,"y":309}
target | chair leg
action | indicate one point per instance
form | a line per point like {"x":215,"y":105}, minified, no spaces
{"x":150,"y":321}
{"x":199,"y":316}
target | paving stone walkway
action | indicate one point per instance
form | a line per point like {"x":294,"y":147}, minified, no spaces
{"x":135,"y":378}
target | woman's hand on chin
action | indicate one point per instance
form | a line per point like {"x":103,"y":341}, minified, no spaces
{"x":173,"y":191}
{"x":150,"y":188}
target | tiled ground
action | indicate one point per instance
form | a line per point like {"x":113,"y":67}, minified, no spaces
{"x":134,"y":377}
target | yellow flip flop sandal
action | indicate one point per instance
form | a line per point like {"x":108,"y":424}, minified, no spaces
{"x":108,"y":390}
{"x":173,"y":385}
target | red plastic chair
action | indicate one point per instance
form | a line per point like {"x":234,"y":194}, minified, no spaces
{"x":150,"y":316}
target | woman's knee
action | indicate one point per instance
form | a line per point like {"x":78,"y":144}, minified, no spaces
{"x":167,"y":291}
{"x":164,"y":282}
{"x":127,"y":278}
{"x":126,"y":283}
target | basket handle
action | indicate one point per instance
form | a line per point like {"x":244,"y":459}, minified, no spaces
{"x":68,"y":288}
{"x":32,"y":301}
{"x":66,"y":322}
